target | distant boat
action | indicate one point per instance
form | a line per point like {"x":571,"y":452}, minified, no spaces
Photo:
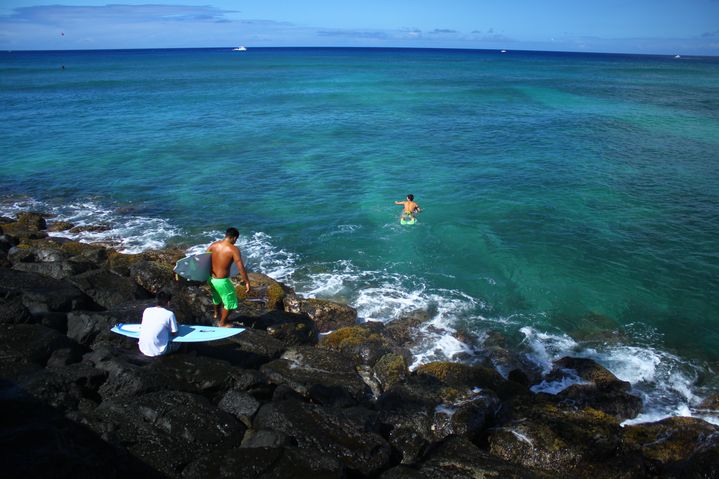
{"x":239,"y":49}
{"x":677,"y":56}
{"x":503,"y":51}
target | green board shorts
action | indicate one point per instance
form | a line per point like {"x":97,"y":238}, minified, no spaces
{"x":223,"y":291}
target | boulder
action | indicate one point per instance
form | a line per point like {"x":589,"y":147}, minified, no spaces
{"x":266,"y":295}
{"x":540,"y":435}
{"x":363,"y":343}
{"x":41,"y":294}
{"x":675,"y":447}
{"x":465,"y":376}
{"x":152,"y":276}
{"x":265,"y":463}
{"x":85,"y":326}
{"x":250,"y":349}
{"x":65,"y":388}
{"x":207,"y":376}
{"x":330,"y":432}
{"x":23,"y":345}
{"x":90,"y":229}
{"x":292,"y":329}
{"x":325,"y":376}
{"x":12,"y":309}
{"x":32,"y":221}
{"x":603,"y":390}
{"x":328,"y":315}
{"x":192,"y":304}
{"x":240,"y":404}
{"x":106,"y":288}
{"x":56,"y":226}
{"x":92,"y":252}
{"x":55,"y":269}
{"x":39,"y":441}
{"x":167,"y":429}
{"x":390,"y":369}
{"x":264,"y":438}
{"x":466,"y":418}
{"x":457,"y":458}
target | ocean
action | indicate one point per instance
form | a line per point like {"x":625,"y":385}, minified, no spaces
{"x":570,"y":200}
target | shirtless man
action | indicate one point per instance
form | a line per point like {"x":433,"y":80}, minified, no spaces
{"x":224,"y":253}
{"x":410,"y":207}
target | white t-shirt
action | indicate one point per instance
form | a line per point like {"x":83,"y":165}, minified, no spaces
{"x":157,"y":324}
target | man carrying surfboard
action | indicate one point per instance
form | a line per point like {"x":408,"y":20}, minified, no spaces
{"x":224,"y":297}
{"x":410,"y":208}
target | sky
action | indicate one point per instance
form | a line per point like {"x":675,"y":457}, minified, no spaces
{"x":687,"y":27}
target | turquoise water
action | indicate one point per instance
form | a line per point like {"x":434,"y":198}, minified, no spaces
{"x":570,"y":200}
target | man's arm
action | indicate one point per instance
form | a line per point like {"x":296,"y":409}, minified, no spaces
{"x":399,"y":202}
{"x":241,"y":268}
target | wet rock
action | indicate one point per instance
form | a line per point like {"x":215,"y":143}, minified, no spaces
{"x":203,"y":375}
{"x":403,"y":331}
{"x":107,"y":288}
{"x":90,"y":229}
{"x":466,"y":418}
{"x":542,"y":436}
{"x":292,"y":329}
{"x":266,"y":295}
{"x":249,"y":349}
{"x":325,"y":376}
{"x":167,"y":429}
{"x":121,"y":263}
{"x":92,"y":252}
{"x":56,"y":226}
{"x":41,"y":294}
{"x":465,"y":376}
{"x":391,"y":369}
{"x":457,"y":458}
{"x":152,"y":276}
{"x":21,"y":254}
{"x":328,"y":315}
{"x":32,"y":221}
{"x":675,"y":447}
{"x":363,"y":343}
{"x":85,"y":326}
{"x":192,"y":304}
{"x":266,"y":463}
{"x":604,"y":391}
{"x":22,"y":231}
{"x":710,"y":403}
{"x":327,"y":431}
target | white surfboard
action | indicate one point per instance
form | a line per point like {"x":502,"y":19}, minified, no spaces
{"x":197,"y":267}
{"x":186,"y":334}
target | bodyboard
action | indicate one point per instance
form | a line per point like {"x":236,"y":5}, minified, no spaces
{"x":187,"y":333}
{"x":408,"y":221}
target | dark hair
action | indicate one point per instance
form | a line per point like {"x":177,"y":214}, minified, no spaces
{"x":410,"y":197}
{"x":232,"y":233}
{"x":163,"y":297}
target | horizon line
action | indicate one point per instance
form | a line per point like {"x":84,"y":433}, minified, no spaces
{"x":368,"y":48}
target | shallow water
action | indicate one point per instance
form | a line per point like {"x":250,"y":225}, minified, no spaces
{"x":570,"y":200}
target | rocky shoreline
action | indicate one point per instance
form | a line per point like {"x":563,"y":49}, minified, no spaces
{"x":282,"y":400}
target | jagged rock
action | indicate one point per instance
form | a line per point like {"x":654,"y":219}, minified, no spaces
{"x":604,"y":392}
{"x":167,"y":429}
{"x":240,"y":404}
{"x":192,"y":304}
{"x":266,"y":295}
{"x":264,"y":438}
{"x":325,"y":376}
{"x":265,"y":463}
{"x":363,"y":343}
{"x":90,"y":229}
{"x":152,"y":276}
{"x":330,"y":432}
{"x":250,"y":349}
{"x":675,"y":447}
{"x":542,"y":436}
{"x":390,"y":369}
{"x":107,"y":288}
{"x":457,"y":458}
{"x":465,"y":376}
{"x":56,"y":226}
{"x":328,"y":315}
{"x":66,"y":387}
{"x":89,"y":251}
{"x":203,"y":375}
{"x":32,"y":221}
{"x":292,"y":329}
{"x":21,"y":254}
{"x":23,"y":345}
{"x":85,"y":326}
{"x":466,"y":418}
{"x":12,"y":310}
{"x":64,"y":357}
{"x":55,"y":269}
{"x":41,"y":294}
{"x":38,"y":441}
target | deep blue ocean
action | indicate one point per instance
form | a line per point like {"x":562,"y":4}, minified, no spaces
{"x":571,"y":201}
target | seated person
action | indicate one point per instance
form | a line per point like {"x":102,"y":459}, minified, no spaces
{"x":158,"y":328}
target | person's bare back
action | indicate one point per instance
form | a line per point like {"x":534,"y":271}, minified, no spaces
{"x":410,"y":207}
{"x":224,"y":254}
